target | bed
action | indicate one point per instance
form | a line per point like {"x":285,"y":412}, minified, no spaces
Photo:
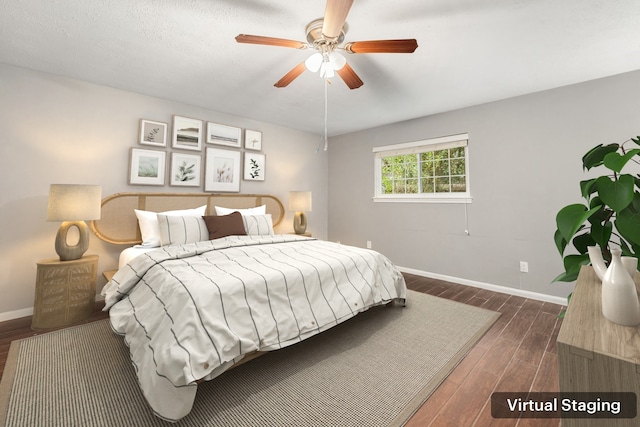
{"x":193,"y":308}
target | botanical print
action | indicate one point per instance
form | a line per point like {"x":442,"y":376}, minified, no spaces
{"x":222,"y":171}
{"x":147,"y":167}
{"x":252,"y":140}
{"x":153,"y":133}
{"x":185,"y":169}
{"x":185,"y":172}
{"x":254,"y":169}
{"x":254,"y":166}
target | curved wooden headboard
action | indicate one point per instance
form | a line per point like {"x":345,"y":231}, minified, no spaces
{"x":118,"y":223}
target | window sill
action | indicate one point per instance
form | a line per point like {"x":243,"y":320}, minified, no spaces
{"x":444,"y":199}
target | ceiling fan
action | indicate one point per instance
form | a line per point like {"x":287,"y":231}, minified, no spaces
{"x":325,"y":36}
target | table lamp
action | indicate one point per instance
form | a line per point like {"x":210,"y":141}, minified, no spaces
{"x":300,"y":202}
{"x":73,"y":204}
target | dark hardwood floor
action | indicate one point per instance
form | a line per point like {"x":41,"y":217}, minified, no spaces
{"x":517,"y":354}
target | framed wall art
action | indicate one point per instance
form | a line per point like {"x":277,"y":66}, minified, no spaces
{"x":254,"y":166}
{"x":153,"y":133}
{"x":222,"y":170}
{"x":252,"y":140}
{"x":147,"y":167}
{"x":224,"y":135}
{"x":187,"y":133}
{"x":185,"y":170}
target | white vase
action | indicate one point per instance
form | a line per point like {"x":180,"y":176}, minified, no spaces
{"x":619,"y":296}
{"x":631,"y":264}
{"x":595,"y":256}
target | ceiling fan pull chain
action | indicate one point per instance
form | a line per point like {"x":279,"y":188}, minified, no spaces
{"x":326,"y":110}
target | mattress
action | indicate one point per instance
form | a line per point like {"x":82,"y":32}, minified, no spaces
{"x":129,"y":254}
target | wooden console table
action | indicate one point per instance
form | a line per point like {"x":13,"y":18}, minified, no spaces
{"x":65,"y":291}
{"x":595,"y":354}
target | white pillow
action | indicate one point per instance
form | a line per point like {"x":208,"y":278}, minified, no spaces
{"x":148,"y":223}
{"x":258,"y":225}
{"x":178,"y":230}
{"x":260,"y":210}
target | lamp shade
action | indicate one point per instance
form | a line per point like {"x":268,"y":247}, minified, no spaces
{"x":313,"y":62}
{"x":300,"y":201}
{"x":74,"y":202}
{"x":326,"y":64}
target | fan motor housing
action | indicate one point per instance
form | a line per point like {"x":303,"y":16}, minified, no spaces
{"x":315,"y":36}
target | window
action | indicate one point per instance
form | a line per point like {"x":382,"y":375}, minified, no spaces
{"x":433,"y":170}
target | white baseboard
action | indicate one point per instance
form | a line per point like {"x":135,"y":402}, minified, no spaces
{"x":10,"y":315}
{"x":488,"y":286}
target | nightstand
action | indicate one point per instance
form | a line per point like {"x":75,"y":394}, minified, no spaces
{"x":108,"y":274}
{"x":307,"y":234}
{"x":65,"y":291}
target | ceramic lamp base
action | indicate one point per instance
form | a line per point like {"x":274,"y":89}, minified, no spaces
{"x":68,"y":252}
{"x":300,"y":223}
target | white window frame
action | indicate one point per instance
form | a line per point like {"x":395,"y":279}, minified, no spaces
{"x":433,"y":144}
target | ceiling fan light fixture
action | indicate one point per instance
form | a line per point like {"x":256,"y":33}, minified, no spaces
{"x":326,"y":63}
{"x":326,"y":70}
{"x":314,"y":62}
{"x":337,"y":61}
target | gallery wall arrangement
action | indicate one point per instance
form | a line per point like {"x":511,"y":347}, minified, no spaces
{"x":226,"y":161}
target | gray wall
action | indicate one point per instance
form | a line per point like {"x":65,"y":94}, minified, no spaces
{"x":57,"y":130}
{"x":525,"y":159}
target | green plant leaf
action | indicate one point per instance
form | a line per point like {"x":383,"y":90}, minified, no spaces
{"x":587,"y":188}
{"x":616,"y":162}
{"x":601,"y":233}
{"x":636,"y":140}
{"x":616,"y":194}
{"x":595,"y":156}
{"x":635,"y":203}
{"x":561,"y":243}
{"x":628,"y":225}
{"x":601,"y":215}
{"x":571,"y":218}
{"x":565,"y":277}
{"x":572,"y":265}
{"x":564,"y":312}
{"x":582,"y":241}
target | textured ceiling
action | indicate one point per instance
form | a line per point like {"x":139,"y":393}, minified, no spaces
{"x":470,"y":52}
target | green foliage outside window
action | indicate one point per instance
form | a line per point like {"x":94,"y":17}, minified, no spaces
{"x":440,"y":171}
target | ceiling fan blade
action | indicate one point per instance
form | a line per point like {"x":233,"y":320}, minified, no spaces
{"x":291,"y":75}
{"x":270,"y":41}
{"x":335,"y":15}
{"x":382,"y":46}
{"x":350,"y":77}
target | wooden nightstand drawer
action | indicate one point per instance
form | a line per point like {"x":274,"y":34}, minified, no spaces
{"x":65,"y":291}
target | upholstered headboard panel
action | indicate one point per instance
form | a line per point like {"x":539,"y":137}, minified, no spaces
{"x":118,"y":223}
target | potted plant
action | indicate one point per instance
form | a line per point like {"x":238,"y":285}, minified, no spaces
{"x":611,"y":215}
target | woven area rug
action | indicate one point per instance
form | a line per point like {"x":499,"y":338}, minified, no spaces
{"x":375,"y":370}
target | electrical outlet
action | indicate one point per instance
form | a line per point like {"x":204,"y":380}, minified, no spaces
{"x":368,"y":244}
{"x":524,"y":267}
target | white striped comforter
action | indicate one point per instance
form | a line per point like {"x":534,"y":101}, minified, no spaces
{"x":189,"y":312}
